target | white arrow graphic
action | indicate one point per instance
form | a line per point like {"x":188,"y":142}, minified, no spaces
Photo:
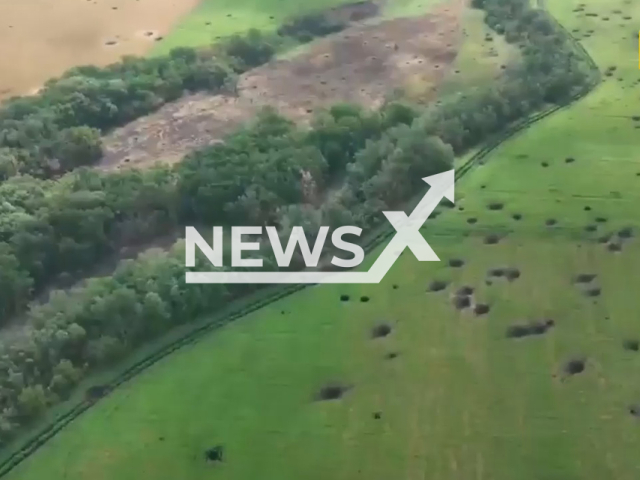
{"x":407,"y":236}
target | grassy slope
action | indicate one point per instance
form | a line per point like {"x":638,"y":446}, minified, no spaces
{"x":478,"y":62}
{"x":460,"y":401}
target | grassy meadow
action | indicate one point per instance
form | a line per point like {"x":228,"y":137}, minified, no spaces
{"x":460,"y":399}
{"x":480,"y":58}
{"x":213,"y":19}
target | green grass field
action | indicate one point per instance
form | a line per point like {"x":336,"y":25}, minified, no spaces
{"x":479,"y":60}
{"x":220,"y":18}
{"x":460,"y":400}
{"x":214,"y":19}
{"x":390,"y":10}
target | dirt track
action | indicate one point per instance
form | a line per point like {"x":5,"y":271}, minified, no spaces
{"x":40,"y":39}
{"x":363,"y":64}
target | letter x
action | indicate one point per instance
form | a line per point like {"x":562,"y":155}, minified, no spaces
{"x":408,"y":228}
{"x":408,"y":235}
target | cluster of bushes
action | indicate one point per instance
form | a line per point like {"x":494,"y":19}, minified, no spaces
{"x":307,"y":27}
{"x":345,"y":169}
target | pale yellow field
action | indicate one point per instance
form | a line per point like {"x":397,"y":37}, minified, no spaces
{"x":40,"y":39}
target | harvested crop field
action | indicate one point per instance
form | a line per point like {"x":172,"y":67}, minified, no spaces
{"x":363,"y":64}
{"x":40,"y":39}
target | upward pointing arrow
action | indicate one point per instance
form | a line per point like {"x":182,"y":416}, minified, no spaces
{"x":444,"y":180}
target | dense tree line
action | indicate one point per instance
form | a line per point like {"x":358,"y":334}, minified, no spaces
{"x":347,"y":167}
{"x":59,"y":128}
{"x":55,"y":230}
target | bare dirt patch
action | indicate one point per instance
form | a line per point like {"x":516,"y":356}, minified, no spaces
{"x":437,"y":286}
{"x":362,"y":64}
{"x":481,"y":308}
{"x":41,"y":39}
{"x":574,"y":366}
{"x":332,"y":391}
{"x":585,"y":277}
{"x":625,"y":233}
{"x":634,"y":410}
{"x":491,"y":239}
{"x":381,"y":330}
{"x":614,"y":246}
{"x":529,"y":329}
{"x":593,"y":292}
{"x":456,"y":262}
{"x":631,"y":344}
{"x":214,"y":454}
{"x":465,"y":290}
{"x":510,"y":273}
{"x":460,"y":302}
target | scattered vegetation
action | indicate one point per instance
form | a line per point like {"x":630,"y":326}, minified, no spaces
{"x":307,"y":27}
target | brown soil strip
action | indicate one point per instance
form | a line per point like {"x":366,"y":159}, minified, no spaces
{"x":362,"y":64}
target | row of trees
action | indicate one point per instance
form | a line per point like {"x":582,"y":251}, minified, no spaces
{"x":349,"y":166}
{"x":55,"y":231}
{"x":59,"y":129}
